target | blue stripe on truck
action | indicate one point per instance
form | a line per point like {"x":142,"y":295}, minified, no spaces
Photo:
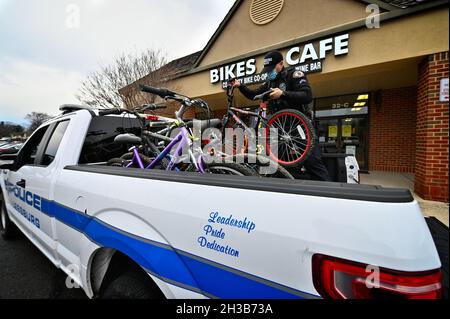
{"x":174,"y":266}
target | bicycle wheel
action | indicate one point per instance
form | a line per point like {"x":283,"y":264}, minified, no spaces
{"x":229,"y":169}
{"x":154,"y":151}
{"x":145,"y":160}
{"x":233,"y":147}
{"x":126,"y":159}
{"x":295,"y":137}
{"x":263,"y":165}
{"x":118,"y":162}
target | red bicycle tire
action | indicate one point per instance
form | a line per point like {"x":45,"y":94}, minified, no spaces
{"x":304,"y":121}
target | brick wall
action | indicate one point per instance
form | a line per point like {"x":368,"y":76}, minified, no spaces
{"x":431,"y":180}
{"x":392,"y":132}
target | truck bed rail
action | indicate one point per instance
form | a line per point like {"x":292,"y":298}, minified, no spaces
{"x":307,"y":188}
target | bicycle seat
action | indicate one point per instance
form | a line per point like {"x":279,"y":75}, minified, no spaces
{"x":213,"y":123}
{"x":127,"y":139}
{"x":264,"y":96}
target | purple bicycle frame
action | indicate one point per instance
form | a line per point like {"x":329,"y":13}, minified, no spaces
{"x":182,"y":139}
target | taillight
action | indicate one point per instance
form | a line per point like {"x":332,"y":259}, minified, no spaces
{"x":336,"y":278}
{"x":152,"y":118}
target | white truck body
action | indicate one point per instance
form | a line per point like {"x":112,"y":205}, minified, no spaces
{"x":205,"y":236}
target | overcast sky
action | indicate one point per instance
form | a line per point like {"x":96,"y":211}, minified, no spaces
{"x":45,"y":53}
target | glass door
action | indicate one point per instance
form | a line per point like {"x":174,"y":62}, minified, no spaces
{"x":328,"y":135}
{"x":354,"y":138}
{"x":342,"y":125}
{"x":345,"y":136}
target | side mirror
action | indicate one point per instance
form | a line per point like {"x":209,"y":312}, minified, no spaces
{"x":6,"y":165}
{"x":7,"y":161}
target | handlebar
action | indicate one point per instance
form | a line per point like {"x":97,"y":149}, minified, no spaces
{"x":114,"y":111}
{"x":264,"y":96}
{"x":118,"y":111}
{"x":152,"y":107}
{"x":169,"y":95}
{"x":230,"y":89}
{"x":163,"y":93}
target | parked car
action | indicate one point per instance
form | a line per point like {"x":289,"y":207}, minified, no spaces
{"x":10,"y":148}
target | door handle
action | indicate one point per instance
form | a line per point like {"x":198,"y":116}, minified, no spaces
{"x":22,"y":183}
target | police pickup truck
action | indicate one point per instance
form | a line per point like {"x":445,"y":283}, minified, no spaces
{"x":134,"y":233}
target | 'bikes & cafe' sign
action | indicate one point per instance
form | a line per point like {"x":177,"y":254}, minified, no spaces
{"x":308,"y":59}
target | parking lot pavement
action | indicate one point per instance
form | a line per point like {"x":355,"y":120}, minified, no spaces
{"x":434,"y":209}
{"x":25,"y":273}
{"x":403,"y":180}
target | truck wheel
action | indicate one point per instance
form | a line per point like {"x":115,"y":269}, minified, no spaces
{"x":7,"y":229}
{"x":130,"y":285}
{"x":440,"y":236}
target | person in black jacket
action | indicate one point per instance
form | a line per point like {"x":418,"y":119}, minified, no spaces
{"x":290,"y":89}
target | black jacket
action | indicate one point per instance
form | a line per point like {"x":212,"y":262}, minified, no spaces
{"x":297,"y":92}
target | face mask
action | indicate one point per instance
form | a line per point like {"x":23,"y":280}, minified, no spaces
{"x":272,"y":75}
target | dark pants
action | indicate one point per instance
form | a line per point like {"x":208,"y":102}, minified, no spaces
{"x":315,"y":166}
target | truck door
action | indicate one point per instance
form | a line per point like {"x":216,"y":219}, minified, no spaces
{"x":31,"y":181}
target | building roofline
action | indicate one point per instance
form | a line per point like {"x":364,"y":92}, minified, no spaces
{"x":169,"y":77}
{"x":390,"y":13}
{"x":219,"y":30}
{"x":383,"y":5}
{"x":358,"y":24}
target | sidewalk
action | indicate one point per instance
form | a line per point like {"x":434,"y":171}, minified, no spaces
{"x":403,"y":180}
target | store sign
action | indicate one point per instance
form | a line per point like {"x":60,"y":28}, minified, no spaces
{"x":308,"y":59}
{"x":236,"y":70}
{"x":444,"y":90}
{"x":333,"y":131}
{"x":346,"y":105}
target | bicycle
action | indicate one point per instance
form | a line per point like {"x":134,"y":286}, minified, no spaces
{"x":295,"y":133}
{"x":260,"y":164}
{"x":180,"y":142}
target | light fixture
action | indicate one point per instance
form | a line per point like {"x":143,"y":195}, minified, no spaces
{"x":360,"y":104}
{"x":363,"y":97}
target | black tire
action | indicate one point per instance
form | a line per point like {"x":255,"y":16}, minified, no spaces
{"x":7,"y":229}
{"x":282,"y":173}
{"x":294,"y":150}
{"x":126,"y":159}
{"x":229,"y":169}
{"x":117,"y":162}
{"x":130,"y":285}
{"x":258,"y":162}
{"x":439,"y":232}
{"x":154,"y":150}
{"x":129,"y":156}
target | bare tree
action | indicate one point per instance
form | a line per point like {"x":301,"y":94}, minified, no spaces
{"x":101,"y":88}
{"x":7,"y":129}
{"x":36,"y":119}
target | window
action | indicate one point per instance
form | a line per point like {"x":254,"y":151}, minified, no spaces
{"x":343,"y":125}
{"x":27,"y":156}
{"x":99,"y":146}
{"x":345,"y":105}
{"x":53,"y":144}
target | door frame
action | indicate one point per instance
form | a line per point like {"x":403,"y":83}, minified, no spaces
{"x":368,"y":116}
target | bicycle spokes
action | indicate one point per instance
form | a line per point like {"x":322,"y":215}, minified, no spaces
{"x":292,"y":140}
